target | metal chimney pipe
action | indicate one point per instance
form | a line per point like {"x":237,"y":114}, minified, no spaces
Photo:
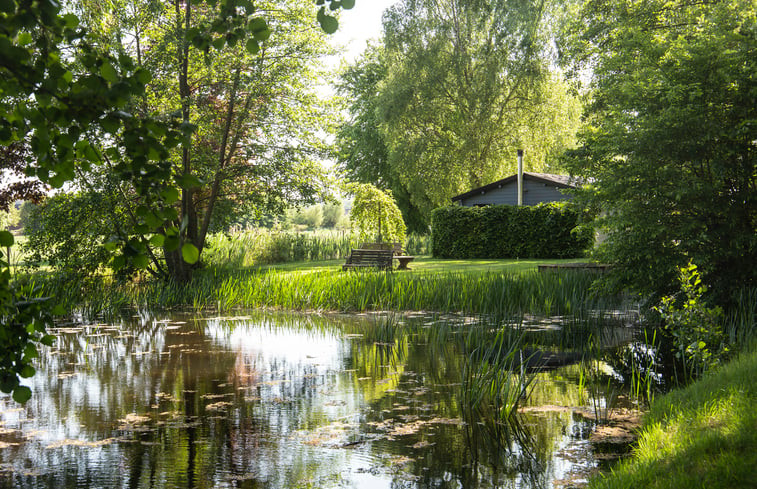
{"x":520,"y":177}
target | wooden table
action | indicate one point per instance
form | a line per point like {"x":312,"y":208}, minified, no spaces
{"x":404,"y":260}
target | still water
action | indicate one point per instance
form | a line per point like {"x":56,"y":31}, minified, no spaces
{"x":275,"y":400}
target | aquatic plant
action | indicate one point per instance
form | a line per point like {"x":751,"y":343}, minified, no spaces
{"x":697,"y":330}
{"x":495,"y":379}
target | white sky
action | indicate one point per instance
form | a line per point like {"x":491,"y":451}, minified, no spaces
{"x":359,"y":24}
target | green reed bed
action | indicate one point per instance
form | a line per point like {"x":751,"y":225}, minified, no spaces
{"x":498,"y":294}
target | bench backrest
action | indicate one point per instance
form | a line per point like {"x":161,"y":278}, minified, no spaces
{"x":395,"y":248}
{"x":377,"y":257}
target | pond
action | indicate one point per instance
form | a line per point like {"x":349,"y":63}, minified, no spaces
{"x":274,"y":400}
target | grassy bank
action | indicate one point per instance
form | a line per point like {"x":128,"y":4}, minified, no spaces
{"x":702,"y":436}
{"x":470,"y":291}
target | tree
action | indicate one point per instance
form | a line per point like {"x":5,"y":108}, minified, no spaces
{"x":253,"y":105}
{"x":333,"y":215}
{"x":68,"y":232}
{"x":455,"y":88}
{"x":375,"y":215}
{"x":671,"y":146}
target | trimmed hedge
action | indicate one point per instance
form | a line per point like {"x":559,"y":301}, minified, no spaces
{"x":504,"y":231}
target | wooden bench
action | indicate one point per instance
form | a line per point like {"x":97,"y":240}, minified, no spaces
{"x":395,"y":247}
{"x":381,"y":259}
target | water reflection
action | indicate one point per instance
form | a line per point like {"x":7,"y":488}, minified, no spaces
{"x":277,"y":401}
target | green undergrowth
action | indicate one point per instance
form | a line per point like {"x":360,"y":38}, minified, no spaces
{"x":701,"y":436}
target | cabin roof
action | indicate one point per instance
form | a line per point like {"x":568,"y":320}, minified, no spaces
{"x":559,"y":181}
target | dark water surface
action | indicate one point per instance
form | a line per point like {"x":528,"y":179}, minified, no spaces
{"x":278,"y":401}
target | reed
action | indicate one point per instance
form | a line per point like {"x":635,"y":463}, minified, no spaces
{"x":498,"y":295}
{"x":495,"y":379}
{"x":263,"y":246}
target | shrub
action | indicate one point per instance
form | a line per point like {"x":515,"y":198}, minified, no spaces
{"x":502,"y":231}
{"x":696,"y":329}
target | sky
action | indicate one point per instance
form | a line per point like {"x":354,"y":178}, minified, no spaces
{"x":359,"y":24}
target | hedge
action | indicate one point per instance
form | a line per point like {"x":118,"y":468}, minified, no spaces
{"x":504,"y":231}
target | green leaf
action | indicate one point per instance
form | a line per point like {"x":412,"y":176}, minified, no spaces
{"x":143,"y":76}
{"x":140,"y":261}
{"x":157,"y":240}
{"x":118,"y":262}
{"x":252,"y":46}
{"x":172,"y":243}
{"x":153,"y":221}
{"x":108,"y":72}
{"x":8,"y":383}
{"x":328,"y":23}
{"x":21,"y":394}
{"x":169,"y":195}
{"x":71,"y":21}
{"x":259,"y":29}
{"x":190,"y":253}
{"x":58,"y":310}
{"x":348,"y":4}
{"x":24,"y":38}
{"x":27,"y":371}
{"x":188,"y":181}
{"x":30,"y":351}
{"x":6,"y":239}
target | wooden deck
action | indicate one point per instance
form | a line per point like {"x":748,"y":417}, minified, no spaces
{"x":589,"y":267}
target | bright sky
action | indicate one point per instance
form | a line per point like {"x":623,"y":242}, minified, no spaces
{"x":359,"y":24}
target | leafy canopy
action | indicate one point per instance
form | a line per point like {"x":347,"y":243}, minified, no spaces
{"x":671,"y":146}
{"x":72,"y":107}
{"x":375,"y":215}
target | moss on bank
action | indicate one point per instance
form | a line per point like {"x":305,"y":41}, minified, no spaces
{"x":704,"y":435}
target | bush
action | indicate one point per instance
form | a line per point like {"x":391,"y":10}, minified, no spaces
{"x":502,"y":231}
{"x":700,"y":341}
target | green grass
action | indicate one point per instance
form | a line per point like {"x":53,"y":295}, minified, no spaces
{"x":702,"y":436}
{"x":428,"y":264}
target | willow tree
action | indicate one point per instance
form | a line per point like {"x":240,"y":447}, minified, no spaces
{"x":453,"y":90}
{"x":375,"y":214}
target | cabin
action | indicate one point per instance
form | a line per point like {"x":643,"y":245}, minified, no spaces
{"x":537,"y":188}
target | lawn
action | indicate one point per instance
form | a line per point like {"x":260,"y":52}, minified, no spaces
{"x":427,"y":264}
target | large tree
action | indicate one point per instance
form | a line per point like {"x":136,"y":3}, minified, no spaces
{"x":252,"y":104}
{"x":453,"y":90}
{"x":671,"y":149}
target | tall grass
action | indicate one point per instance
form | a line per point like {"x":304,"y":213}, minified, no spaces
{"x":496,"y":294}
{"x":494,"y":379}
{"x":741,"y":322}
{"x":262,"y":246}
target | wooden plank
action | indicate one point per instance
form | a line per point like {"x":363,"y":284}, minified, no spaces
{"x":594,"y":267}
